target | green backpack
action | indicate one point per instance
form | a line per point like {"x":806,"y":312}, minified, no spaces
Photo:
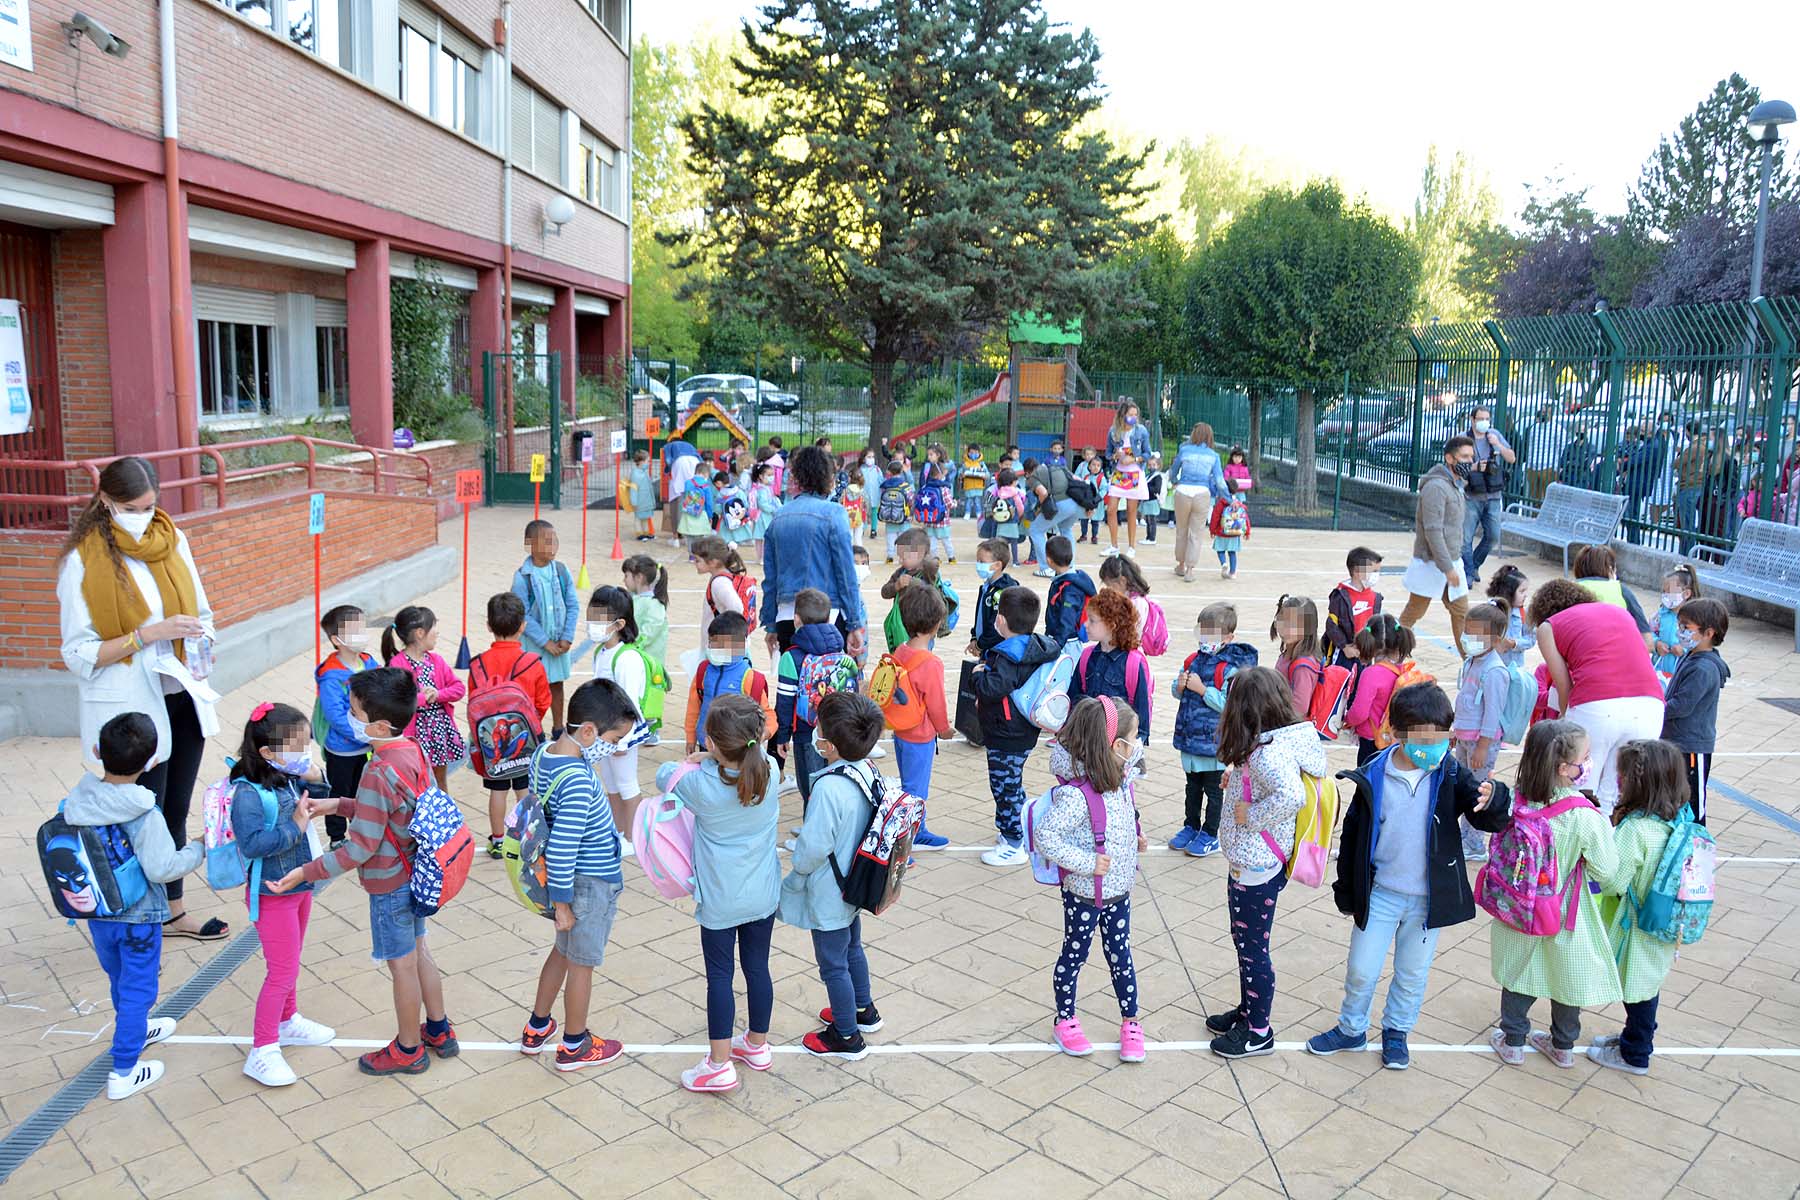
{"x":656,"y":685}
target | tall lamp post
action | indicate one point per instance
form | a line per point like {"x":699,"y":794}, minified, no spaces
{"x":1764,"y":126}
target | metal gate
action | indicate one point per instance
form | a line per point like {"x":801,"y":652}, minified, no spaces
{"x":523,"y":420}
{"x":26,"y":276}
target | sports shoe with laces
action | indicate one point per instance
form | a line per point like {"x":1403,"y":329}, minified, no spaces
{"x":533,"y":1041}
{"x":301,"y":1031}
{"x":1070,"y":1039}
{"x":592,"y":1052}
{"x":757,"y":1058}
{"x":709,"y":1076}
{"x":868,"y":1020}
{"x":1606,"y":1052}
{"x":391,"y":1060}
{"x":1540,"y":1041}
{"x":1241,"y":1043}
{"x":1334,"y":1041}
{"x":1131,"y":1042}
{"x":1512,"y":1056}
{"x":266,"y":1065}
{"x":829,"y":1043}
{"x":147,"y":1072}
{"x":443,"y":1045}
{"x":1005,"y":854}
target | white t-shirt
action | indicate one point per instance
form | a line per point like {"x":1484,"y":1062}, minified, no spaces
{"x":721,"y":597}
{"x":680,"y":473}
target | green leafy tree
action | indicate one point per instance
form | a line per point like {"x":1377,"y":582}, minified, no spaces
{"x":918,"y":172}
{"x":1137,"y":337}
{"x":1219,"y":180}
{"x":1304,"y":286}
{"x":1708,"y":165}
{"x":1455,"y":203}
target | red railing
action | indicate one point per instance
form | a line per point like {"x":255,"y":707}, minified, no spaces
{"x":223,"y":474}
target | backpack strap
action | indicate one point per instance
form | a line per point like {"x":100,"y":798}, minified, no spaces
{"x":271,"y":811}
{"x":1096,"y":805}
{"x":1143,"y":665}
{"x":1081,"y":663}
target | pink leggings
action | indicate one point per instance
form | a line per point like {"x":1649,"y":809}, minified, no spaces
{"x":282,"y":928}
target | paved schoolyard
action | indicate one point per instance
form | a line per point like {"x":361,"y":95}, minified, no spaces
{"x":967,"y":1103}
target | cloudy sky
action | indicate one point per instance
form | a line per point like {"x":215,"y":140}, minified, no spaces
{"x":1578,"y":88}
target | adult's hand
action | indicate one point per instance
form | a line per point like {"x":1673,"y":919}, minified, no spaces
{"x":774,"y":645}
{"x":167,"y":630}
{"x":856,"y":642}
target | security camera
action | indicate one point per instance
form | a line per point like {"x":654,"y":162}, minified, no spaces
{"x":108,"y":41}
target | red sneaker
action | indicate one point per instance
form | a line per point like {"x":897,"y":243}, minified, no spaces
{"x":391,"y":1060}
{"x":533,"y":1042}
{"x":592,"y":1053}
{"x":444,"y":1045}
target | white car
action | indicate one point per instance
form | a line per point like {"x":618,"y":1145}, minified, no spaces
{"x":733,"y":390}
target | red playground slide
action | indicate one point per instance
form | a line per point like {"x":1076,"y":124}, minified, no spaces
{"x":995,"y":395}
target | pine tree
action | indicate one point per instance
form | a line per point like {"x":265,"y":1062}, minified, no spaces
{"x":1709,"y":165}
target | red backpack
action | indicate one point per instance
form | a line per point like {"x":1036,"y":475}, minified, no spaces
{"x":746,"y":590}
{"x":504,"y":726}
{"x":1331,"y":701}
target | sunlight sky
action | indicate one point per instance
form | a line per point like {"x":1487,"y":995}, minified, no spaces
{"x":1580,"y":88}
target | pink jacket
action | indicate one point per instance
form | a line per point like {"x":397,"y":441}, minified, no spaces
{"x":1374,"y":688}
{"x":450,"y":689}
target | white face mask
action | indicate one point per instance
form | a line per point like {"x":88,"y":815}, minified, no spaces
{"x":862,"y":572}
{"x":720,"y":658}
{"x":135,"y":523}
{"x":355,"y":641}
{"x":297,"y":763}
{"x":601,"y":631}
{"x":1673,"y":600}
{"x":1482,"y":426}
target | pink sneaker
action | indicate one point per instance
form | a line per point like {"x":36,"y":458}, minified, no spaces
{"x":1070,"y":1038}
{"x":1540,"y":1042}
{"x":1512,"y":1056}
{"x":709,"y":1076}
{"x":757,"y":1058}
{"x":1131,"y":1042}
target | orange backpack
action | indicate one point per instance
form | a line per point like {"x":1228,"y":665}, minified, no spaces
{"x":1410,"y":674}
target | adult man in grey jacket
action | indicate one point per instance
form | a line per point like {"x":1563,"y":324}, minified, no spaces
{"x":1436,"y":569}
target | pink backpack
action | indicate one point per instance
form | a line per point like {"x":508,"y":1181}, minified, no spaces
{"x":662,"y":835}
{"x":1155,"y":637}
{"x":1517,"y":886}
{"x":1134,"y":662}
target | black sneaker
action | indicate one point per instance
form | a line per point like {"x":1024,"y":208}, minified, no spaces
{"x":1241,"y":1043}
{"x":868,"y":1020}
{"x":829,"y":1043}
{"x":494,"y":850}
{"x":1225,"y":1022}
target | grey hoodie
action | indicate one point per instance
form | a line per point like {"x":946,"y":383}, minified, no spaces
{"x":97,"y":802}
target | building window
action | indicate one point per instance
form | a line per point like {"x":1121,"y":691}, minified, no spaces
{"x":235,"y":369}
{"x":437,"y":72}
{"x":537,"y":129}
{"x":334,"y":367}
{"x":601,"y":181}
{"x":415,"y":69}
{"x":611,"y":15}
{"x":320,"y":27}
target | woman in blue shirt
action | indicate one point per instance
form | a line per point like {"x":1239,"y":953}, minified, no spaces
{"x":1128,"y":449}
{"x":1195,"y":479}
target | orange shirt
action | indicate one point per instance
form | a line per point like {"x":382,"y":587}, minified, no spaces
{"x":926,"y":671}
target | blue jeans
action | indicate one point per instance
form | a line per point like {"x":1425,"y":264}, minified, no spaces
{"x":1067,"y":514}
{"x":751,"y":942}
{"x":914,"y":760}
{"x":1687,"y":515}
{"x":1395,"y":920}
{"x":131,"y":955}
{"x":1480,"y":513}
{"x":1638,"y":1039}
{"x":844,"y":970}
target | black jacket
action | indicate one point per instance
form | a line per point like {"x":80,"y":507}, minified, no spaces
{"x":987,"y":603}
{"x":1449,"y":900}
{"x":1008,"y":665}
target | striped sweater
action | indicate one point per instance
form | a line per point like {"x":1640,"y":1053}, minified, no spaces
{"x":583,"y":838}
{"x":379,"y":843}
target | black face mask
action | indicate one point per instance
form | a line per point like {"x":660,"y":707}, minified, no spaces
{"x":1462,"y":470}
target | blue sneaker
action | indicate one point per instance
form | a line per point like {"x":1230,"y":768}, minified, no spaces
{"x":1203,"y":845}
{"x":927,"y":840}
{"x":1334,"y":1040}
{"x":1394,"y":1054}
{"x":1180,"y":841}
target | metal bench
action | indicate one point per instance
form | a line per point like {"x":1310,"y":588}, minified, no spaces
{"x":1568,"y":516}
{"x":1764,"y":566}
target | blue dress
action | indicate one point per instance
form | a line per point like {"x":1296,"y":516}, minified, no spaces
{"x":551,"y":609}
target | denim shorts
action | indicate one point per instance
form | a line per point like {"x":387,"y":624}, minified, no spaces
{"x":596,"y":902}
{"x":394,"y":929}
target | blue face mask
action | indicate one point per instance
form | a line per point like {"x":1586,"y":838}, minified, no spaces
{"x":984,"y":570}
{"x":1685,"y":639}
{"x":1427,"y":756}
{"x":1131,"y":418}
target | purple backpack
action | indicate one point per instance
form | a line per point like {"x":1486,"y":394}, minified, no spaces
{"x":1517,"y":886}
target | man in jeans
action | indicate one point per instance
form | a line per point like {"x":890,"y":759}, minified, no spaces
{"x":1692,"y":463}
{"x":1435,"y":572}
{"x":1049,"y":484}
{"x":1485,"y":497}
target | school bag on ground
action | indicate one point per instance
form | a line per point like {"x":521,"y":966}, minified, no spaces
{"x":891,"y":688}
{"x":1680,"y":900}
{"x":444,"y":850}
{"x":929,"y":507}
{"x":873,"y":881}
{"x":1331,"y":700}
{"x":1518,"y":885}
{"x":1038,"y":811}
{"x":1043,"y":699}
{"x":504,"y":727}
{"x":528,"y":834}
{"x":1410,"y":674}
{"x":896,"y":503}
{"x":662,"y":838}
{"x":91,"y":870}
{"x":1155,"y":638}
{"x":1310,"y":856}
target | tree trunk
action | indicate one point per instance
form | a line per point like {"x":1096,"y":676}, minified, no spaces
{"x":1253,"y":452}
{"x":1306,"y":474}
{"x":881,"y":398}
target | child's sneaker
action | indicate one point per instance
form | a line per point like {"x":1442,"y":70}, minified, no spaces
{"x":1225,"y":1022}
{"x":443,"y":1045}
{"x":927,"y":840}
{"x":158,"y":1029}
{"x":299,"y":1031}
{"x":1395,"y":1055}
{"x":757,"y":1058}
{"x":1005,"y":854}
{"x":592,"y":1052}
{"x":147,"y":1072}
{"x":1182,"y":840}
{"x":1512,"y":1056}
{"x":829,"y":1043}
{"x":494,"y":846}
{"x":391,"y":1060}
{"x":533,"y":1041}
{"x":268,"y":1067}
{"x":1131,"y":1042}
{"x":1241,"y":1043}
{"x":709,"y":1076}
{"x":1540,"y":1041}
{"x":1070,"y":1039}
{"x":1606,"y":1052}
{"x":1334,"y":1041}
{"x":1204,"y":845}
{"x":868,"y":1020}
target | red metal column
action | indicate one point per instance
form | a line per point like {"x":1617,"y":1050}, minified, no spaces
{"x":139,"y":344}
{"x":371,"y":346}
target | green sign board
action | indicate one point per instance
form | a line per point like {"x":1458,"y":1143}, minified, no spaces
{"x":1043,"y":330}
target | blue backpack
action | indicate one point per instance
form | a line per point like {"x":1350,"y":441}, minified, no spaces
{"x":1043,"y":699}
{"x":91,"y":870}
{"x":1521,"y":701}
{"x":226,"y":866}
{"x":1679,"y":903}
{"x":929,"y":507}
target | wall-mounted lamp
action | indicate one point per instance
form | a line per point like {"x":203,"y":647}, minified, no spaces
{"x":108,"y":41}
{"x":558,"y":211}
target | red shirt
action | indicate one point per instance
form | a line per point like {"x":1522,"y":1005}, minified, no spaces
{"x":1605,"y":655}
{"x":926,"y":670}
{"x":497,"y":663}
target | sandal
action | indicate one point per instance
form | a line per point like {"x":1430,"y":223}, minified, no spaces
{"x":213,"y":930}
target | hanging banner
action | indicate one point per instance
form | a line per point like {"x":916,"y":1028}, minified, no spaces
{"x":15,"y":390}
{"x":15,"y":35}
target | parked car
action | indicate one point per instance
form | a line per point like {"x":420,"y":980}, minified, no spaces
{"x":732,"y":390}
{"x":1394,"y":449}
{"x":1364,"y":417}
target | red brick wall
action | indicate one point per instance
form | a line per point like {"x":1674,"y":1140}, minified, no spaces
{"x":265,"y":277}
{"x":559,"y":46}
{"x":81,"y":355}
{"x":252,"y":558}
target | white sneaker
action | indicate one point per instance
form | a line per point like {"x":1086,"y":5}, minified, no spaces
{"x":876,"y":751}
{"x":298,"y":1031}
{"x":757,"y":1058}
{"x":1131,"y":552}
{"x":1224,"y":571}
{"x":789,"y":783}
{"x":1108,"y":551}
{"x":709,"y":1076}
{"x":625,"y":850}
{"x":159,"y":1030}
{"x":147,"y":1072}
{"x":267,"y":1067}
{"x":1005,"y":854}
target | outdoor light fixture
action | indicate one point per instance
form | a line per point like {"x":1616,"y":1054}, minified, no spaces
{"x":111,"y":43}
{"x":558,"y":211}
{"x":1767,"y":118}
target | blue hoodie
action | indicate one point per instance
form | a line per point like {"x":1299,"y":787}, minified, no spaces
{"x":1196,"y":720}
{"x":1065,"y":610}
{"x":333,"y":680}
{"x":809,"y":640}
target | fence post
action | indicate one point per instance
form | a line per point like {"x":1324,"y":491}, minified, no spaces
{"x":1503,"y":399}
{"x":956,"y":422}
{"x":1418,"y":405}
{"x":1158,"y":401}
{"x":1615,"y":399}
{"x":1337,"y":490}
{"x":1780,"y":360}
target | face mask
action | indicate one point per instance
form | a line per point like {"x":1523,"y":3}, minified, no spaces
{"x":1463,"y":469}
{"x":1210,"y":647}
{"x":868,"y":462}
{"x":1672,"y":600}
{"x":1131,"y":420}
{"x":862,"y":572}
{"x":1134,"y":761}
{"x":600,"y":631}
{"x":134,"y":523}
{"x":359,"y":730}
{"x":1427,"y":756}
{"x":1686,"y":639}
{"x":1474,"y":646}
{"x":355,"y":641}
{"x":601,"y":749}
{"x":1360,"y":579}
{"x":720,"y":658}
{"x":297,"y":763}
{"x":1584,"y":779}
{"x":984,"y":570}
{"x":1483,"y":426}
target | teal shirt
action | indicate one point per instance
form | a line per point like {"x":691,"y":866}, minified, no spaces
{"x":836,"y":820}
{"x":737,"y":877}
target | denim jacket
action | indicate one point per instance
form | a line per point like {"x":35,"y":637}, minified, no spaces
{"x":1197,"y":464}
{"x":281,"y":846}
{"x":808,"y":545}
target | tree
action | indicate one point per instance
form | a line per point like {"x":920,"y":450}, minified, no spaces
{"x":1709,"y":262}
{"x":1304,"y":286}
{"x":1220,"y":179}
{"x":1569,"y":259}
{"x":1491,"y":253}
{"x":1709,"y":165}
{"x":918,"y":173}
{"x":1454,"y":203}
{"x":1138,"y":338}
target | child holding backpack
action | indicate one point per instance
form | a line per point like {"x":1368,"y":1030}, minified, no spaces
{"x":1230,"y":521}
{"x":271,"y":820}
{"x":1269,"y":748}
{"x":1548,"y":937}
{"x":1383,"y":647}
{"x":1201,"y":687}
{"x":509,"y":696}
{"x":1295,"y":631}
{"x":1111,"y":664}
{"x":1094,"y":759}
{"x":812,"y":895}
{"x":1660,"y":848}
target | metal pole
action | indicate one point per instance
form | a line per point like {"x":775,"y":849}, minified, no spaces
{"x":956,"y":419}
{"x":1756,"y":272}
{"x":1337,"y":491}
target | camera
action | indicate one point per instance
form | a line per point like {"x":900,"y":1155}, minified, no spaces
{"x":108,"y":41}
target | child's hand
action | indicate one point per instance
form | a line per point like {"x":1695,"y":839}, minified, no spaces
{"x":327,"y":805}
{"x":1483,"y":796}
{"x":427,"y":695}
{"x":973,"y":650}
{"x":287,"y":883}
{"x":1662,"y":648}
{"x":303,"y":812}
{"x":690,"y":749}
{"x":1350,"y":652}
{"x":565,"y":917}
{"x":696,"y":757}
{"x":1102,"y":864}
{"x":1240,"y":812}
{"x":1143,"y":843}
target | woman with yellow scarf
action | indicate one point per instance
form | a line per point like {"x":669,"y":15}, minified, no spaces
{"x":131,"y":600}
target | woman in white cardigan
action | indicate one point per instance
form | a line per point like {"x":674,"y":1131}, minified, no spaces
{"x":132,"y":608}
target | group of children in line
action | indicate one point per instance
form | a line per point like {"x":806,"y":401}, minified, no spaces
{"x":1249,"y":739}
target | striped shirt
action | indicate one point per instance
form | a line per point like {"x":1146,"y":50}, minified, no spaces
{"x":380,"y":820}
{"x":583,"y":838}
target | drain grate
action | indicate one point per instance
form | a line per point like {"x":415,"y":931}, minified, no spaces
{"x":1788,"y":704}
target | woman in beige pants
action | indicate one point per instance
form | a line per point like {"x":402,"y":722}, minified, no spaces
{"x":1196,"y":477}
